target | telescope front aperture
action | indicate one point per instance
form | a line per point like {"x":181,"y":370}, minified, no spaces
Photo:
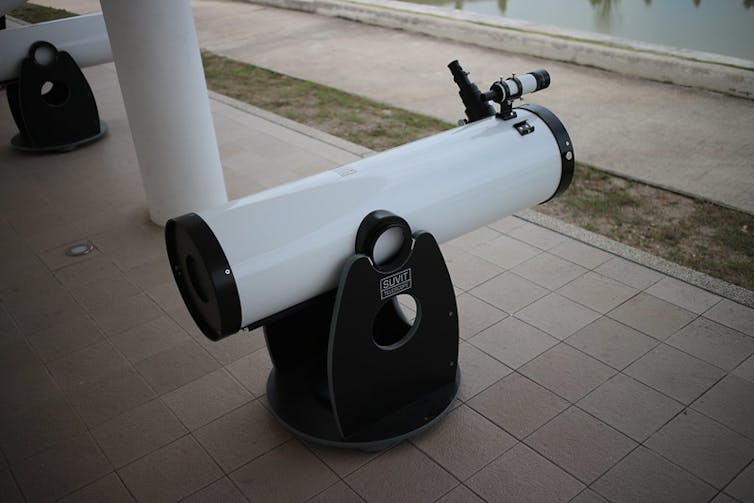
{"x":203,"y":276}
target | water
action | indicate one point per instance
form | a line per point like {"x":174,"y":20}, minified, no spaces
{"x":719,"y":26}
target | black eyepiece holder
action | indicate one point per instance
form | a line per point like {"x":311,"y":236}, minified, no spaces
{"x":349,"y":368}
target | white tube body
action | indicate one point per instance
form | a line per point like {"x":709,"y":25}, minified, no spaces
{"x":288,"y":244}
{"x":157,"y":58}
{"x":83,"y":37}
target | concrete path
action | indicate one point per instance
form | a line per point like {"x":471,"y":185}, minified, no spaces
{"x":688,"y":140}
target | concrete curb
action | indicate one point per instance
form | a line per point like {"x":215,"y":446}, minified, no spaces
{"x":684,"y":67}
{"x":701,"y":280}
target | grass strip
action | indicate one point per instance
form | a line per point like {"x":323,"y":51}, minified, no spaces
{"x":701,"y":235}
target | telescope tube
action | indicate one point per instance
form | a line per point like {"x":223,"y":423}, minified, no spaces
{"x":251,"y":258}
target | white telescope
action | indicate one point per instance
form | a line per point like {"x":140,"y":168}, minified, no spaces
{"x":83,"y":37}
{"x":245,"y":261}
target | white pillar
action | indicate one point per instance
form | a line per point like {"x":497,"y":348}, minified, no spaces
{"x":156,"y":54}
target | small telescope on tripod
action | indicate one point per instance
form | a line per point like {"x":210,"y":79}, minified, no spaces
{"x":319,"y":264}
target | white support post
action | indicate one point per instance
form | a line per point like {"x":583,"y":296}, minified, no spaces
{"x":156,"y":54}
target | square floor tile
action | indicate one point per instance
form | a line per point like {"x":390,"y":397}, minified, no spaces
{"x":674,"y":373}
{"x":652,"y":316}
{"x":151,"y":274}
{"x":742,"y":486}
{"x":745,"y":370}
{"x":731,"y":402}
{"x":70,"y":334}
{"x":287,"y":473}
{"x":30,"y":431}
{"x":682,"y":294}
{"x":518,"y":405}
{"x":342,"y":461}
{"x":506,"y":252}
{"x":64,"y":468}
{"x":230,"y":349}
{"x":148,"y":339}
{"x":401,"y":474}
{"x":472,"y":239}
{"x":120,"y":391}
{"x":567,"y":372}
{"x":630,"y":406}
{"x":463,"y":442}
{"x":513,"y":342}
{"x":241,"y":435}
{"x":478,"y":370}
{"x":170,"y":473}
{"x":713,"y":343}
{"x":733,"y":315}
{"x":629,"y":273}
{"x":557,"y":315}
{"x":643,"y":476}
{"x":103,"y":293}
{"x":582,"y":445}
{"x":176,"y":366}
{"x":581,"y":254}
{"x":549,"y":271}
{"x":597,"y":292}
{"x":461,"y":494}
{"x":95,"y":270}
{"x":87,"y":365}
{"x":475,"y":315}
{"x":127,"y":314}
{"x":509,"y":292}
{"x":612,"y":342}
{"x":220,"y":491}
{"x":207,"y":398}
{"x":108,"y":488}
{"x":507,"y":224}
{"x":337,"y":493}
{"x":704,"y":447}
{"x":138,"y":432}
{"x":588,"y":496}
{"x":252,"y":371}
{"x":537,"y":236}
{"x":522,"y":475}
{"x":467,"y":270}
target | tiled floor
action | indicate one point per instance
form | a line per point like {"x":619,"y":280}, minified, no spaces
{"x":585,"y":377}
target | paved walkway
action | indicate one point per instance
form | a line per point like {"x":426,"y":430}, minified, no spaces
{"x":585,"y":376}
{"x":688,"y":140}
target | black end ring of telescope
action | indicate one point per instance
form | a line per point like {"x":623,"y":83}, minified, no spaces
{"x":374,"y":225}
{"x":565,"y":145}
{"x":203,"y":275}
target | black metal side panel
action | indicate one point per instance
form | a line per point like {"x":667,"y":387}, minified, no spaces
{"x":412,"y":379}
{"x":64,"y":115}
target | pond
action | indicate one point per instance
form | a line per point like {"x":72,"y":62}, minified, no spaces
{"x":719,"y":26}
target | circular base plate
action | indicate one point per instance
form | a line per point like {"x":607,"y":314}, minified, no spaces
{"x":309,"y":418}
{"x":21,"y":143}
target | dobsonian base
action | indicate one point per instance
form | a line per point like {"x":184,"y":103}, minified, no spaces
{"x":52,"y":103}
{"x":349,"y":369}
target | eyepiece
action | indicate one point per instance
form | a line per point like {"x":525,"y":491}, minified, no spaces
{"x":476,"y":107}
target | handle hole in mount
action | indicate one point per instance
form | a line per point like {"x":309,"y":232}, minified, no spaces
{"x":396,"y":322}
{"x":54,"y":92}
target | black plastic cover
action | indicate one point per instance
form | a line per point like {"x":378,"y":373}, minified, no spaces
{"x":203,"y":275}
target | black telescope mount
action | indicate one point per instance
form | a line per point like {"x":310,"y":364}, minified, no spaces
{"x":52,"y":103}
{"x":350,"y":369}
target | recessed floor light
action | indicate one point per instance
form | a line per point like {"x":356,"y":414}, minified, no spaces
{"x":79,"y":249}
